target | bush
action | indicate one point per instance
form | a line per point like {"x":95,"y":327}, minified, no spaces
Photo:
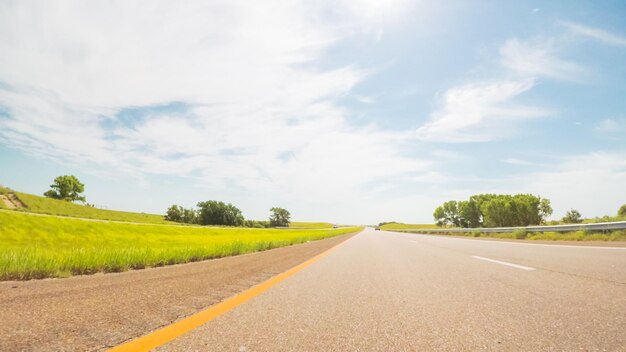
{"x":572,"y":217}
{"x":520,"y":234}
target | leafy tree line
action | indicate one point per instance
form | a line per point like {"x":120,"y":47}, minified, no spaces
{"x":215,"y":212}
{"x":494,"y":210}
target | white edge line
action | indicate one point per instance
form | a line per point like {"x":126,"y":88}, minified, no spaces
{"x":527,"y":268}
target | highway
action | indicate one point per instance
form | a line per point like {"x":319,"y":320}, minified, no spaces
{"x":385,"y":291}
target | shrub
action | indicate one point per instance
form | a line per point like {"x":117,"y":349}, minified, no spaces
{"x":520,"y":234}
{"x":572,"y":217}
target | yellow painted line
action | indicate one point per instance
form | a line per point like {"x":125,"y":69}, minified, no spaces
{"x":168,"y":333}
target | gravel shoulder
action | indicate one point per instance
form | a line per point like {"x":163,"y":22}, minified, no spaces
{"x":91,"y":313}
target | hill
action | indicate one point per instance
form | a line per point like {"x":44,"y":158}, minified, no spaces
{"x":42,"y":205}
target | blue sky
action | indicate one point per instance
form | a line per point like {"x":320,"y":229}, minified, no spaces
{"x":344,"y":111}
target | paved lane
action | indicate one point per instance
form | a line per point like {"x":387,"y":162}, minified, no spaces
{"x":385,"y":291}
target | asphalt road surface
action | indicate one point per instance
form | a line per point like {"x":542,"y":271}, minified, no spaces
{"x":384,"y":291}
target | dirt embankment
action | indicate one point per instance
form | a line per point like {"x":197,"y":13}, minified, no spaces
{"x":11,"y":201}
{"x":103,"y":310}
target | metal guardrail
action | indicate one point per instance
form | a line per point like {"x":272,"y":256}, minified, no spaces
{"x":602,"y":226}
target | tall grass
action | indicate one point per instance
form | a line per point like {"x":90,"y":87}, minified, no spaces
{"x":43,"y":205}
{"x":34,"y":247}
{"x":311,"y":225}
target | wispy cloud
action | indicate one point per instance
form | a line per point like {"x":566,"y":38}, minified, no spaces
{"x":478,"y":112}
{"x":515,"y":161}
{"x":256,"y":112}
{"x":595,"y":33}
{"x":538,"y":58}
{"x":485,"y":110}
{"x":592,"y":183}
{"x":611,"y":125}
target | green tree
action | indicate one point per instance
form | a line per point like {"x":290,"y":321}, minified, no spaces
{"x":448,"y":213}
{"x":469,"y":213}
{"x":174,"y":213}
{"x":256,"y":224}
{"x":520,"y":210}
{"x":622,"y":210}
{"x":280,"y":217}
{"x":66,"y":188}
{"x":499,"y":212}
{"x":572,"y":217}
{"x":189,"y":216}
{"x":494,"y":210}
{"x":180,"y":214}
{"x":214,"y":212}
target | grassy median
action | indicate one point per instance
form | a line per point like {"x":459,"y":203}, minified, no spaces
{"x":34,"y":247}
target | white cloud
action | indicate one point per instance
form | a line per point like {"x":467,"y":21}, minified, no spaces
{"x":538,"y":58}
{"x":610,"y":125}
{"x":485,"y":110}
{"x":515,"y":161}
{"x":257,"y":112}
{"x":591,"y":183}
{"x":595,"y":33}
{"x":479,"y":112}
{"x":365,"y":99}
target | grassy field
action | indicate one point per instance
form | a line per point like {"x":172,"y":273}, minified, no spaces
{"x":38,"y":247}
{"x":401,"y":226}
{"x":311,"y":225}
{"x":43,"y":205}
{"x":619,"y":235}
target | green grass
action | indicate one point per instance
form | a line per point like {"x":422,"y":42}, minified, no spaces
{"x":400,"y":226}
{"x":311,"y":225}
{"x":619,"y":235}
{"x":43,"y":205}
{"x":36,"y":247}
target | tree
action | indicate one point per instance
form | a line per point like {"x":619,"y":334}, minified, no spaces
{"x":280,"y":217}
{"x":179,"y":214}
{"x":66,"y":188}
{"x":174,"y":213}
{"x":470,"y":214}
{"x":519,"y":210}
{"x":214,"y":212}
{"x":622,"y":211}
{"x":572,"y":217}
{"x":494,"y":210}
{"x":448,"y":213}
{"x":189,"y":216}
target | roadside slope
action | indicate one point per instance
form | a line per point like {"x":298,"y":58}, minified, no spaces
{"x":101,"y":311}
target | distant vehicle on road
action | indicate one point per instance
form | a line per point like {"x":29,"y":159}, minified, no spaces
{"x":377,"y":228}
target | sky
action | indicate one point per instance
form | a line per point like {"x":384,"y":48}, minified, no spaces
{"x":352,"y":112}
